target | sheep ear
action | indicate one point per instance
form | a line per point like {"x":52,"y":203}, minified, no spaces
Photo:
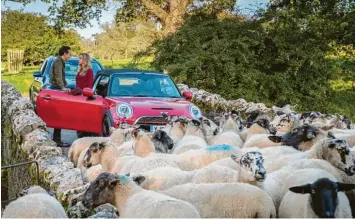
{"x":345,"y":186}
{"x":328,"y":127}
{"x":157,"y":134}
{"x":135,"y":133}
{"x":331,"y":135}
{"x":207,"y":122}
{"x":102,"y":145}
{"x":234,"y":157}
{"x":305,"y":115}
{"x":114,"y":180}
{"x":138,"y":179}
{"x":275,"y":138}
{"x":279,"y":113}
{"x":196,"y":122}
{"x":112,"y":130}
{"x":216,"y":131}
{"x":263,"y":123}
{"x":304,"y":189}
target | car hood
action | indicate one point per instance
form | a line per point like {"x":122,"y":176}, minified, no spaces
{"x":154,"y":103}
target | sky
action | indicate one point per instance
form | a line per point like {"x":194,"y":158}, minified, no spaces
{"x":107,"y":16}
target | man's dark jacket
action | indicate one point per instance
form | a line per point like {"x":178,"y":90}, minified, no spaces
{"x":57,"y":73}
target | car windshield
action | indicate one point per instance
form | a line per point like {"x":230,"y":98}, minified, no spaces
{"x":72,"y":67}
{"x":143,"y":85}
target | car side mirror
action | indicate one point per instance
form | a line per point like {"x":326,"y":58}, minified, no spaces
{"x":88,"y":92}
{"x":37,"y":74}
{"x":187,"y":95}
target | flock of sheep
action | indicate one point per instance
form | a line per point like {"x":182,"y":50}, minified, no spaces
{"x":294,"y":165}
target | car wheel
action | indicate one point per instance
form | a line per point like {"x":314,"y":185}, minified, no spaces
{"x":106,"y":126}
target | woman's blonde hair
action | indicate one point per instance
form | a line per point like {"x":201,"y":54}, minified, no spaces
{"x":86,"y":62}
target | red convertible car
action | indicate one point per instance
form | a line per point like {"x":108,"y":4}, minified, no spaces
{"x":118,"y":96}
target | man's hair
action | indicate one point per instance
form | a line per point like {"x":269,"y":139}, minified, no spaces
{"x":64,"y":49}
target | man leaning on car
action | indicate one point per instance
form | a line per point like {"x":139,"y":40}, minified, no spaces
{"x":58,"y":82}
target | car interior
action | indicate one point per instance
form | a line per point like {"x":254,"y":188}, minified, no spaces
{"x":102,"y":86}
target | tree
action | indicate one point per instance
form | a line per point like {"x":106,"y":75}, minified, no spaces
{"x":125,"y":40}
{"x":168,"y":13}
{"x":34,"y":36}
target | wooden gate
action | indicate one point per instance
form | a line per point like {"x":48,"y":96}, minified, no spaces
{"x":14,"y":60}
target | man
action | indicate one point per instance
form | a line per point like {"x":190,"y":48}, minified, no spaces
{"x":58,"y":82}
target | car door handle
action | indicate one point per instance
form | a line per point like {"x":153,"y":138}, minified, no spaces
{"x":47,"y":97}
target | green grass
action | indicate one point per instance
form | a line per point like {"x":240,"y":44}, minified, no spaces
{"x":22,"y":80}
{"x":127,"y":63}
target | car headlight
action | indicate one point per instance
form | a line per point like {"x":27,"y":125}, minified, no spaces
{"x":124,"y":110}
{"x":195,"y":112}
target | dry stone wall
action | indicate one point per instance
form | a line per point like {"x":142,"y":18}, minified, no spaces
{"x":209,"y":102}
{"x":24,"y":137}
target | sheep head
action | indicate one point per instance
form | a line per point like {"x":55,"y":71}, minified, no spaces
{"x":92,"y":155}
{"x":231,"y":121}
{"x":102,"y":190}
{"x":324,"y":195}
{"x":296,"y":136}
{"x":283,"y":121}
{"x":337,"y":152}
{"x":162,"y":141}
{"x":250,"y":165}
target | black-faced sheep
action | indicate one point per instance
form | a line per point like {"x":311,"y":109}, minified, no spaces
{"x":302,"y":138}
{"x":315,"y":193}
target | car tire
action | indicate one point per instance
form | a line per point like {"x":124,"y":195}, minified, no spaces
{"x":106,"y":124}
{"x":80,"y":134}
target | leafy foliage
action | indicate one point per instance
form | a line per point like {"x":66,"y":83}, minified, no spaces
{"x":34,"y":35}
{"x":123,"y":41}
{"x":289,"y":53}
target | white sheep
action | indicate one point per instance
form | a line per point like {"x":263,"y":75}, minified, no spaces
{"x":195,"y":159}
{"x":261,"y":125}
{"x":331,"y":150}
{"x":175,"y":127}
{"x":194,"y":138}
{"x":314,"y":193}
{"x":133,"y":201}
{"x":225,"y":200}
{"x":108,"y":156}
{"x":249,"y":165}
{"x":229,"y":133}
{"x":36,"y":204}
{"x":117,"y":137}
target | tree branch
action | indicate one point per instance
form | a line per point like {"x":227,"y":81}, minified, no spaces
{"x":156,"y":9}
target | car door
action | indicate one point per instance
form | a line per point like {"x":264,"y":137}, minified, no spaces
{"x":61,"y":110}
{"x":38,"y":82}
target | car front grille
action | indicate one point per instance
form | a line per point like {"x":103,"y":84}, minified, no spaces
{"x":151,"y":120}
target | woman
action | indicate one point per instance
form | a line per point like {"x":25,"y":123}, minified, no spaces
{"x":84,"y":78}
{"x":85,"y":75}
